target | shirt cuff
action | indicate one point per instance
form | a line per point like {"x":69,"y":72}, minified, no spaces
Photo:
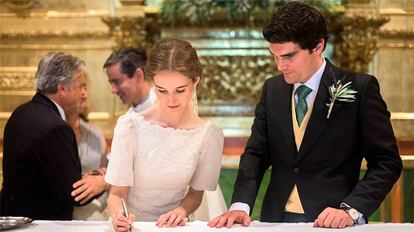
{"x":240,"y":206}
{"x":361,"y":219}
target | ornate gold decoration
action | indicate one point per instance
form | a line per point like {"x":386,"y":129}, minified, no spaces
{"x":396,"y":38}
{"x":16,"y":81}
{"x":235,"y":62}
{"x":55,"y":34}
{"x":233,"y":80}
{"x":132,"y":2}
{"x":20,"y":4}
{"x":397,"y":34}
{"x":356,"y":44}
{"x":58,"y":14}
{"x":56,"y":46}
{"x":230,"y":13}
{"x":345,"y":2}
{"x":132,"y":31}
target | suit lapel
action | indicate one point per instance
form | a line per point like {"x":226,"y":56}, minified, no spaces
{"x":318,"y":121}
{"x":284,"y":98}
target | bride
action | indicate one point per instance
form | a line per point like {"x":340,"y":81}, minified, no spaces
{"x":164,"y":158}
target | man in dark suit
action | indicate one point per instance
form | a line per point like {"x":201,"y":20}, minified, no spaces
{"x":41,"y":161}
{"x":314,"y":124}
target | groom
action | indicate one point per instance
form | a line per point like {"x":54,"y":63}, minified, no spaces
{"x":314,"y":151}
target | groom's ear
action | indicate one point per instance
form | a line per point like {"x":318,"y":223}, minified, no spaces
{"x":319,"y":47}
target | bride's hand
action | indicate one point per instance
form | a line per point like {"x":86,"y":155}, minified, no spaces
{"x":173,"y":218}
{"x":122,"y":223}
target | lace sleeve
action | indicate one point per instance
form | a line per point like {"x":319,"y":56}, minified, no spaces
{"x":208,"y":169}
{"x":120,"y":168}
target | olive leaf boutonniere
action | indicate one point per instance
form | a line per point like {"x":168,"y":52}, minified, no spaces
{"x":340,"y":92}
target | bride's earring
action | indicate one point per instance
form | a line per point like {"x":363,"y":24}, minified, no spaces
{"x":194,"y":103}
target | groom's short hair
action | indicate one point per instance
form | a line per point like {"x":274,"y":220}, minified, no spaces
{"x":298,"y":23}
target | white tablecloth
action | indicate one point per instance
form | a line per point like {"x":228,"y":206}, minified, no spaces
{"x":199,"y":226}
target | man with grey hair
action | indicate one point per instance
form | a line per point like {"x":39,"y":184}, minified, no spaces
{"x":41,"y":160}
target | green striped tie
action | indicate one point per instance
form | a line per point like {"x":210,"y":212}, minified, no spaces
{"x":301,"y":106}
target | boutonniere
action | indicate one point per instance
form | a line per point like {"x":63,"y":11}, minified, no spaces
{"x":340,"y":92}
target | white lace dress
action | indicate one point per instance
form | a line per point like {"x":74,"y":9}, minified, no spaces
{"x":159,"y":163}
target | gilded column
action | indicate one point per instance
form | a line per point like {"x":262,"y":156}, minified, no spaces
{"x":133,"y":25}
{"x":356,"y":42}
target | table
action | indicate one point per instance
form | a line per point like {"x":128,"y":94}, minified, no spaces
{"x":199,"y":226}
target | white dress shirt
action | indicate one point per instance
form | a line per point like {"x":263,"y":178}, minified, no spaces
{"x":149,"y":101}
{"x":60,"y":109}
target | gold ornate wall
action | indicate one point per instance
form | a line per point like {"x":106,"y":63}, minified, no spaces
{"x":31,"y":28}
{"x":374,"y":36}
{"x":235,"y":62}
{"x":394,"y":64}
{"x":236,"y":59}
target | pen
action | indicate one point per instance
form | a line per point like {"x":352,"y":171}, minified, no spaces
{"x":126,"y":212}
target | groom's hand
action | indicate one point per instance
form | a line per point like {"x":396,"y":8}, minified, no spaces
{"x":229,"y":218}
{"x":333,"y":218}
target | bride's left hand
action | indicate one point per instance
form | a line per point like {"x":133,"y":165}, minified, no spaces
{"x":173,"y":218}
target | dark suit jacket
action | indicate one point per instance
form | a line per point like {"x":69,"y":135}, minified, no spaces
{"x":40,"y":163}
{"x":327,"y":166}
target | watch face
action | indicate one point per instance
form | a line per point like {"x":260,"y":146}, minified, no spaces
{"x":353,"y":213}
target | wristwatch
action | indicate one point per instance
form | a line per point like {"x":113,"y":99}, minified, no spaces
{"x":353,"y":213}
